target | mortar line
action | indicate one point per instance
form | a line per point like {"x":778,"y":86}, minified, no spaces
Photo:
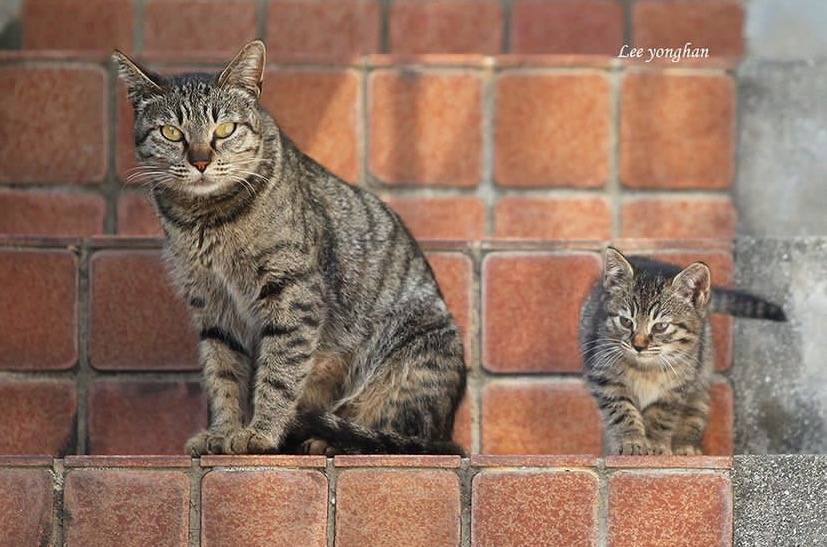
{"x":613,"y":186}
{"x":138,"y":25}
{"x":384,"y":26}
{"x":466,"y":476}
{"x":58,"y":474}
{"x":83,"y":373}
{"x":196,"y":474}
{"x":602,"y":504}
{"x":262,"y":12}
{"x":486,"y":189}
{"x":111,"y":184}
{"x":505,"y":42}
{"x":330,"y":471}
{"x":477,"y":370}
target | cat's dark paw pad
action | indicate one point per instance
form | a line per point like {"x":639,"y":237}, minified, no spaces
{"x":314,"y":446}
{"x":248,"y":441}
{"x":687,"y":450}
{"x":634,"y":447}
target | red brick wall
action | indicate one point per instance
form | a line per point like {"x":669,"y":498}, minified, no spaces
{"x":507,"y":134}
{"x":99,"y":356}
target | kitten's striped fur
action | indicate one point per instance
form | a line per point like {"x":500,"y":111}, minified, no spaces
{"x":322,"y":327}
{"x":647,"y":349}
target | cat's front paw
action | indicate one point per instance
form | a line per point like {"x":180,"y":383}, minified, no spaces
{"x":249,"y":440}
{"x":659,"y":449}
{"x":206,"y":442}
{"x":687,"y":450}
{"x":634,"y":447}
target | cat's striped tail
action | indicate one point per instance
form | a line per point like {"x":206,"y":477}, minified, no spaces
{"x":744,"y":304}
{"x":348,"y":437}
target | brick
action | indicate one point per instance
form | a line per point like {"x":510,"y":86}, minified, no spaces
{"x":464,"y":422}
{"x":568,"y":26}
{"x":717,"y":25}
{"x":136,"y":216}
{"x":26,"y":497}
{"x":718,"y":439}
{"x":672,"y":462}
{"x":531,"y":310}
{"x":678,"y":218}
{"x":337,"y":30}
{"x":98,"y":25}
{"x":565,"y":461}
{"x":126,"y":507}
{"x":425,"y":128}
{"x":458,"y":218}
{"x":38,"y":416}
{"x":539,"y":417}
{"x":374,"y":507}
{"x":677,"y":130}
{"x":539,"y":144}
{"x":128,"y":461}
{"x":318,"y":109}
{"x":38,"y":308}
{"x":137,"y":320}
{"x":453,"y":273}
{"x":669,"y":509}
{"x":445,"y":27}
{"x":534,"y":508}
{"x":51,"y":213}
{"x":397,"y":460}
{"x":270,"y":460}
{"x":183,"y":26}
{"x":144,"y":417}
{"x":264,"y":507}
{"x":553,"y":218}
{"x":59,"y":109}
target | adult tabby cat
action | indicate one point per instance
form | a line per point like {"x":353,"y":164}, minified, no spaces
{"x":647,"y":349}
{"x":322,"y":327}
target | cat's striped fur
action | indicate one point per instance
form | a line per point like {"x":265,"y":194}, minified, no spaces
{"x":647,"y":349}
{"x":322,"y":327}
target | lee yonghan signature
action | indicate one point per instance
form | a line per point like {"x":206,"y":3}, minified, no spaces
{"x":671,"y":53}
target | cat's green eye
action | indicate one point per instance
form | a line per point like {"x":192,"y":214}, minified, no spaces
{"x":172,"y":133}
{"x":224,"y":130}
{"x":626,"y":322}
{"x":660,"y":327}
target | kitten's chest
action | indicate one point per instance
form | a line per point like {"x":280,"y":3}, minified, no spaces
{"x":648,"y":387}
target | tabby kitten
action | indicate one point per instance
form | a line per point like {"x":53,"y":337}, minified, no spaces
{"x":322,"y":327}
{"x":647,"y":349}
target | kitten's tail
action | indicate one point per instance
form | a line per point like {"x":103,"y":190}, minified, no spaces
{"x":349,"y":437}
{"x":744,"y":304}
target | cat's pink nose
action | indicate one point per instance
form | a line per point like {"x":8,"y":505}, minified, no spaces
{"x":640,"y":342}
{"x":200,"y":165}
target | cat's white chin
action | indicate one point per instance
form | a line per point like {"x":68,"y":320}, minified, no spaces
{"x":204,"y":187}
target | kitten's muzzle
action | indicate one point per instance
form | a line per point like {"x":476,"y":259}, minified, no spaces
{"x":640,"y":342}
{"x":199,"y":156}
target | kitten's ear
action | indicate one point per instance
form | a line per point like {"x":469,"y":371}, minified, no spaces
{"x":140,"y":83}
{"x":246,"y":70}
{"x":616,"y":269}
{"x":693,"y":284}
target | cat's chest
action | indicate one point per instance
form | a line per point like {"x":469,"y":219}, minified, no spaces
{"x":648,"y":387}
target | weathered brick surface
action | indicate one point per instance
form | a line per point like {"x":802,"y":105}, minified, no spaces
{"x":669,"y":509}
{"x":126,"y":507}
{"x":718,"y":439}
{"x":143,"y":417}
{"x":553,"y":218}
{"x":677,"y":131}
{"x":264,"y":508}
{"x":56,"y":108}
{"x":374,"y":507}
{"x":96,"y":25}
{"x":137,"y":320}
{"x":425,"y":128}
{"x":38,"y":309}
{"x":454,"y":218}
{"x":539,"y":417}
{"x":136,"y":216}
{"x":26,"y":497}
{"x":318,"y":110}
{"x":568,"y":26}
{"x":669,"y":218}
{"x":325,"y":30}
{"x":182,"y":27}
{"x":453,"y":273}
{"x":51,"y":213}
{"x":534,"y":508}
{"x":716,"y":25}
{"x":531,"y":310}
{"x":538,"y":145}
{"x":38,"y":416}
{"x":445,"y":27}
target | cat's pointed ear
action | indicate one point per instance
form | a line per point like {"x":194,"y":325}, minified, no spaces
{"x":693,"y":284}
{"x":140,"y":83}
{"x":246,"y":70}
{"x":616,"y":269}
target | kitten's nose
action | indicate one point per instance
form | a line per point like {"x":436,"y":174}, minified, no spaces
{"x":199,"y":156}
{"x":640,"y":342}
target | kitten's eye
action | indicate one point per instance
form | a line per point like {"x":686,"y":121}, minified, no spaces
{"x":224,"y":130}
{"x":172,"y":133}
{"x":660,"y":327}
{"x":626,"y":322}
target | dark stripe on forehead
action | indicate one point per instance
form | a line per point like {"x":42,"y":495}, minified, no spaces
{"x":180,"y":114}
